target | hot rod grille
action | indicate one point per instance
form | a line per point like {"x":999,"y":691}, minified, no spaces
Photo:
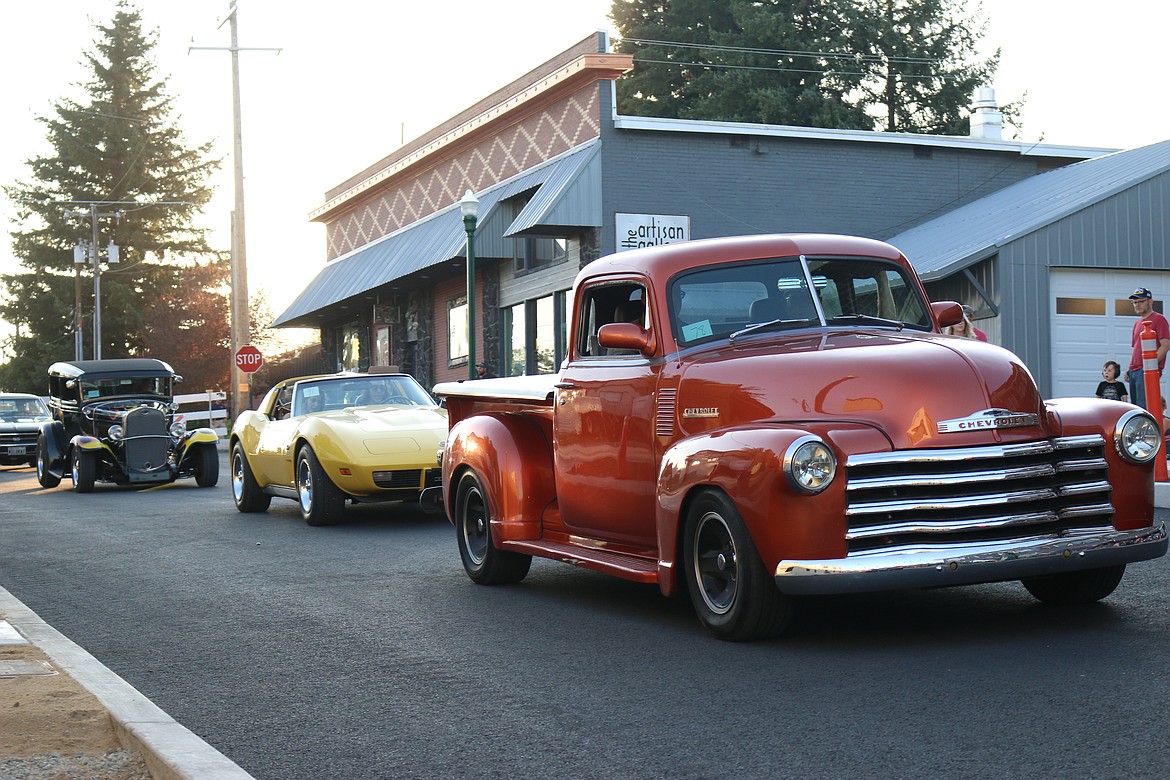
{"x":977,"y":493}
{"x":146,"y":441}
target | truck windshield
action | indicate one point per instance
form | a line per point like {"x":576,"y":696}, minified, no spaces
{"x":126,"y":386}
{"x":775,"y":294}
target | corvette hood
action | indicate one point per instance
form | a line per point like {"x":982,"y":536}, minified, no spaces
{"x":921,"y":390}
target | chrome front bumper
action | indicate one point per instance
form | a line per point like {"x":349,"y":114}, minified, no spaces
{"x":933,"y":566}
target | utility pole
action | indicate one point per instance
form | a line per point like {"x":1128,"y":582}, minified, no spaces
{"x":83,"y":253}
{"x":241,"y":327}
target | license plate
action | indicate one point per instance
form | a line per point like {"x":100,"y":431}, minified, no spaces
{"x":18,"y":450}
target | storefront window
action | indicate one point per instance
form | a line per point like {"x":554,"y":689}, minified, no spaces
{"x":515,"y":347}
{"x":349,"y":347}
{"x":545,"y":346}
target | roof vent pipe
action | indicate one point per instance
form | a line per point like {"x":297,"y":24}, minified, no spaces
{"x":986,"y":118}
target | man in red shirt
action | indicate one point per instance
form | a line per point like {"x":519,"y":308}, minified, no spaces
{"x":1143,"y":306}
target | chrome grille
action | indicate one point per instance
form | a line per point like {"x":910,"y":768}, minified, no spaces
{"x":977,"y":493}
{"x":146,"y":441}
{"x":26,"y":438}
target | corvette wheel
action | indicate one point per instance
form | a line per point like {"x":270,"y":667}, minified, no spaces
{"x":321,"y":502}
{"x":45,"y":479}
{"x":732,"y":593}
{"x":482,"y":560}
{"x":84,"y":470}
{"x":245,"y":491}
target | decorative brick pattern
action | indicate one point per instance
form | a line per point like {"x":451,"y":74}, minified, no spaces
{"x":537,"y":138}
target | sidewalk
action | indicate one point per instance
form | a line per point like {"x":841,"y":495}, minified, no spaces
{"x":64,"y":714}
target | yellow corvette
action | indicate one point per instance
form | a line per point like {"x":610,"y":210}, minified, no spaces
{"x":326,"y":440}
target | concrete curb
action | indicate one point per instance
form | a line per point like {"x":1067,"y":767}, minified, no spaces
{"x":1162,"y":495}
{"x":171,"y":751}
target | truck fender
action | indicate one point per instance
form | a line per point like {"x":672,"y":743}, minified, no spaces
{"x":747,"y":464}
{"x":52,"y":433}
{"x":512,"y":456}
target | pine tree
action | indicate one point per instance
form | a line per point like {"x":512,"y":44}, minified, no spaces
{"x":899,"y":65}
{"x":116,"y":151}
{"x":921,"y":59}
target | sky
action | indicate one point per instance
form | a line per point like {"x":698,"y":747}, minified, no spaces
{"x":355,"y":79}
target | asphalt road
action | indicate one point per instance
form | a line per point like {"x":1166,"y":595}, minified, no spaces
{"x":362,"y":651}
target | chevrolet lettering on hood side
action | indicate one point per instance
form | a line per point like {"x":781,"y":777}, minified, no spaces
{"x":756,"y":419}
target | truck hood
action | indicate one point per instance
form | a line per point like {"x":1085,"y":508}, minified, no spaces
{"x":921,"y":390}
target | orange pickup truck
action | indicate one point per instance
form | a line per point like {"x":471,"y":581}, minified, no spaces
{"x":758,"y":418}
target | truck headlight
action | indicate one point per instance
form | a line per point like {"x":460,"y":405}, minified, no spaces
{"x":115,"y":433}
{"x":178,"y":430}
{"x":1137,"y":437}
{"x":809,"y":464}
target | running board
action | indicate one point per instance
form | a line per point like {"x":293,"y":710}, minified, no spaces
{"x":629,"y":567}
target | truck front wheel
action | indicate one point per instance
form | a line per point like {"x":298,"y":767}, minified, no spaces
{"x":731,"y":590}
{"x":484,"y":563}
{"x":1075,"y":587}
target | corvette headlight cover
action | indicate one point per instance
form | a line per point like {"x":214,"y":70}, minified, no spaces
{"x":809,"y":464}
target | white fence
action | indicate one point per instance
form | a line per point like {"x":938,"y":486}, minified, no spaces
{"x":204,"y":410}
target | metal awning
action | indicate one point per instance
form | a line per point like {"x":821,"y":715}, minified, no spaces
{"x":568,"y":196}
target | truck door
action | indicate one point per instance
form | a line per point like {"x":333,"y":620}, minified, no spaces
{"x":606,"y":463}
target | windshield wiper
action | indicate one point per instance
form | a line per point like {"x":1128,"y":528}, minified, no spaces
{"x":869,"y":318}
{"x":766,"y":325}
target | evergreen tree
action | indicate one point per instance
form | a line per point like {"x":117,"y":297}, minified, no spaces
{"x":921,"y":58}
{"x":117,"y":151}
{"x":901,"y":65}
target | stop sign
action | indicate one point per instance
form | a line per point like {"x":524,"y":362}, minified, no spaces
{"x":248,"y":358}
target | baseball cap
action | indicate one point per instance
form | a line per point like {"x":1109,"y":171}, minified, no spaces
{"x":481,"y":364}
{"x":1141,"y":292}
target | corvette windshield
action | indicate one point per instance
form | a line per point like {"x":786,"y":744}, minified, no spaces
{"x":323,"y":395}
{"x":736,"y":299}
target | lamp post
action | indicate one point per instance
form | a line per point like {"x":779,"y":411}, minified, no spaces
{"x":469,"y":208}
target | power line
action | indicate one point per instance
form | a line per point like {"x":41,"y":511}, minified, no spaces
{"x":825,"y":71}
{"x":851,"y":57}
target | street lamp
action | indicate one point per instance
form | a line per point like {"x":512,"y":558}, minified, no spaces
{"x":469,"y":208}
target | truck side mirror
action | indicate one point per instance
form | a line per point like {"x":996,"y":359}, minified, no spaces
{"x":947,"y":313}
{"x":626,"y":336}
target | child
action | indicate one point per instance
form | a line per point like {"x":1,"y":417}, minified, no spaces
{"x":1111,"y":388}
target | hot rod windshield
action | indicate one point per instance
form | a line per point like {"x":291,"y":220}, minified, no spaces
{"x":795,"y":292}
{"x":120,"y":387}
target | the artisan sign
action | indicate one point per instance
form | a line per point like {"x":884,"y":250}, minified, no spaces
{"x":638,"y":230}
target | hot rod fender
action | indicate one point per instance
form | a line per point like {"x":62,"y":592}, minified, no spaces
{"x":512,"y":456}
{"x":52,"y":434}
{"x":197,"y":436}
{"x":747,"y":463}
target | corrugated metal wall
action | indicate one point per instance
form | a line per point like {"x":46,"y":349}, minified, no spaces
{"x":1126,"y":231}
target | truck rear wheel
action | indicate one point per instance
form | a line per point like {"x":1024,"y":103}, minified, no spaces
{"x":1075,"y":587}
{"x":484,"y":563}
{"x":732,"y":592}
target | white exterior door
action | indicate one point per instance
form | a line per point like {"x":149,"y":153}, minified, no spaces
{"x":1092,"y":321}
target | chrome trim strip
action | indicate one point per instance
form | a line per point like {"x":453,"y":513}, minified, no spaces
{"x":956,"y":478}
{"x":975,"y":453}
{"x":951,"y":526}
{"x":1086,"y":511}
{"x":958,"y":502}
{"x":1087,"y":464}
{"x":1083,"y":488}
{"x":964,"y":564}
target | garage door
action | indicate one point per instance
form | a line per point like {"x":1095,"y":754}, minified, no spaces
{"x":1092,"y":321}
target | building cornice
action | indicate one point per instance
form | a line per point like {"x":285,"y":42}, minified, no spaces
{"x":581,"y":72}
